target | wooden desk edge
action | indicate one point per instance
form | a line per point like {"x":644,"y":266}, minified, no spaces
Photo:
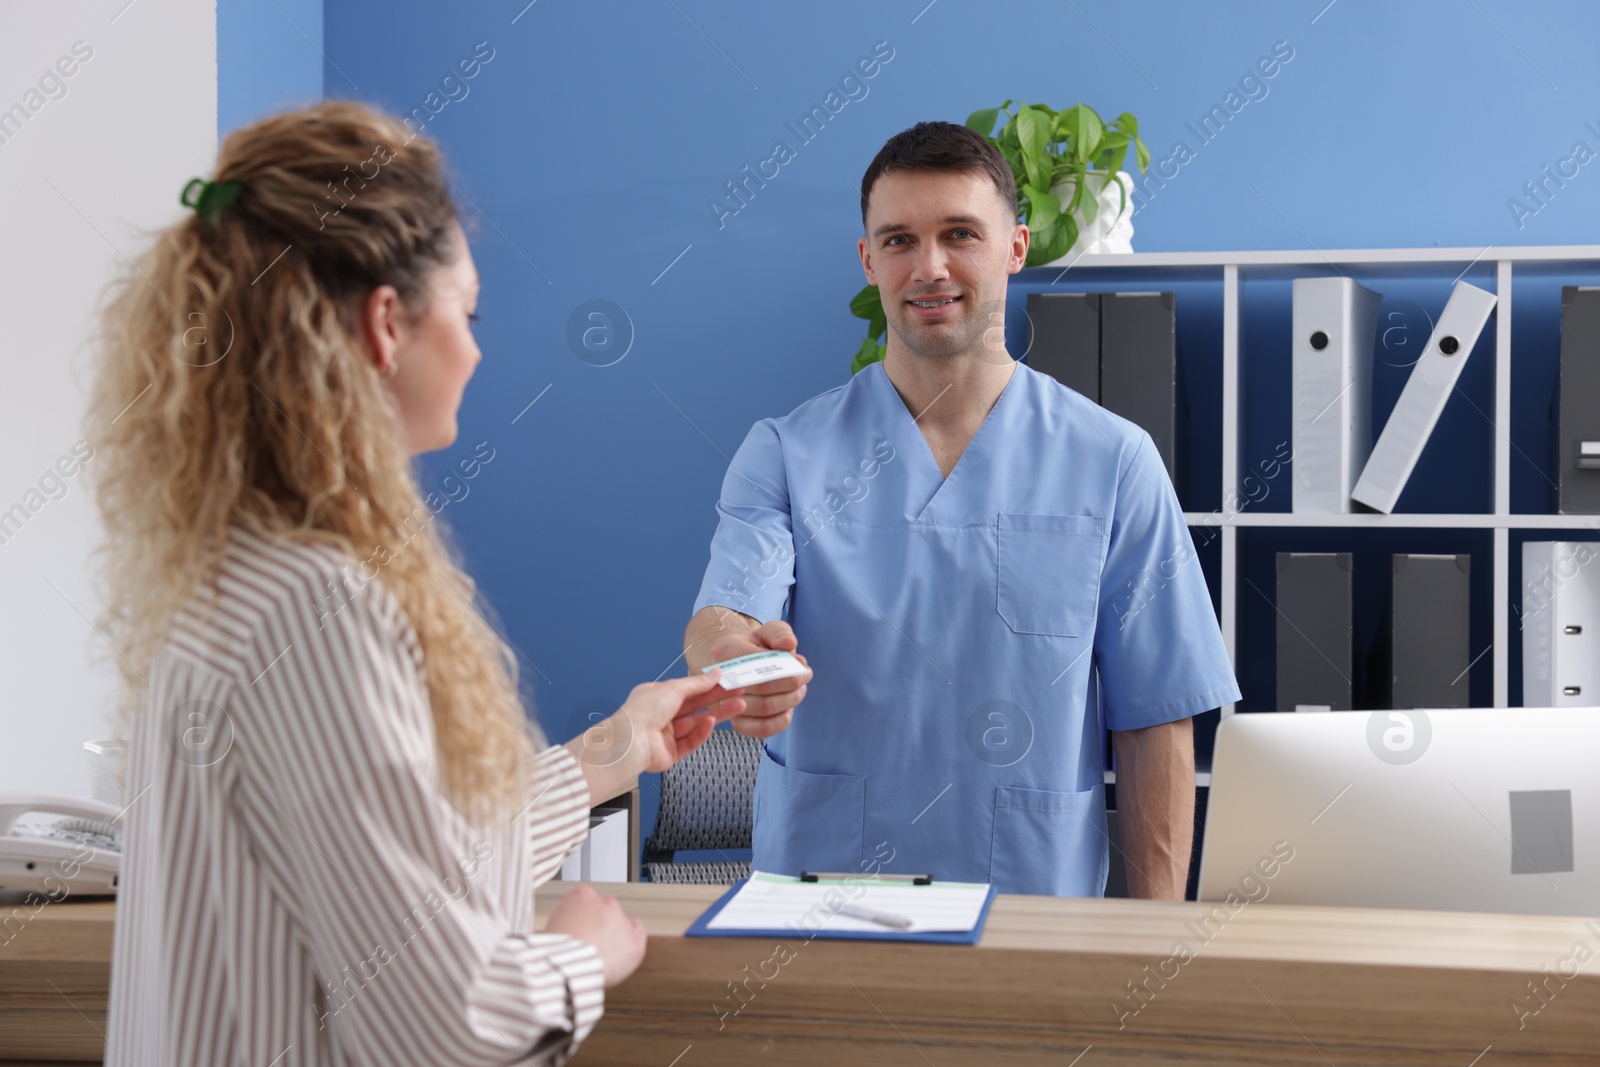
{"x":73,"y":931}
{"x":1148,"y":930}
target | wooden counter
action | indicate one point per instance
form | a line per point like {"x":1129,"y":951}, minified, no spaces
{"x":1274,"y":985}
{"x":55,"y":971}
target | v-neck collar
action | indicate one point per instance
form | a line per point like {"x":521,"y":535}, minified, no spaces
{"x":925,"y":451}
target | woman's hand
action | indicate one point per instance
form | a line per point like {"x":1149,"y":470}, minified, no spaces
{"x":670,"y":719}
{"x":659,"y":724}
{"x":588,"y":916}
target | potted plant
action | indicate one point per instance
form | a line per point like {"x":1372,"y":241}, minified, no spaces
{"x":1071,"y":190}
{"x":1068,"y":168}
{"x":868,"y":305}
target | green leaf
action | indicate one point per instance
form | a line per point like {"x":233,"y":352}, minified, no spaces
{"x":1084,"y":126}
{"x":1090,"y":133}
{"x":1113,"y":152}
{"x":1063,"y":131}
{"x":870,"y":352}
{"x":1038,"y":173}
{"x":1076,"y":201}
{"x":1007,"y":140}
{"x":1141,"y":155}
{"x":1069,"y":227}
{"x":1089,"y":205}
{"x":1013,"y":153}
{"x":1043,"y":207}
{"x":1040,"y":240}
{"x":1008,"y":128}
{"x":1127,"y":124}
{"x":983,"y":121}
{"x":1033,"y":128}
{"x":1053,"y":242}
{"x":868,"y":304}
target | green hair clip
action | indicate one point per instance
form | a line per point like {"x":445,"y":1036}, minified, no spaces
{"x":212,"y":197}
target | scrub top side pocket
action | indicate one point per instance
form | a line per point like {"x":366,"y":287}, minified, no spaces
{"x":1049,"y":572}
{"x":1049,"y":843}
{"x":806,"y":821}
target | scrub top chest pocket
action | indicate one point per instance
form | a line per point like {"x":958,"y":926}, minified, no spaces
{"x":1049,"y":572}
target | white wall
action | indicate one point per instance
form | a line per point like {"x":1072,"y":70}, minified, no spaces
{"x":80,"y":179}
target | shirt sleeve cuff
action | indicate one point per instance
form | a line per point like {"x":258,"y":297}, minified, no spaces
{"x":584,"y":972}
{"x":762,"y":609}
{"x":1172,"y":711}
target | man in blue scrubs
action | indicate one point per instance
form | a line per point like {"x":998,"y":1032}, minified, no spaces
{"x":960,"y":546}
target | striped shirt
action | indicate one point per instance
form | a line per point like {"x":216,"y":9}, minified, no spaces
{"x":295,"y":889}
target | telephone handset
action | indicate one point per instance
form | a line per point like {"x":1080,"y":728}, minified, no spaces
{"x":77,"y":853}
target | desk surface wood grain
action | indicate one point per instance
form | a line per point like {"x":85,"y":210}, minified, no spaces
{"x":1063,"y":981}
{"x":1053,"y":979}
{"x":55,"y":972}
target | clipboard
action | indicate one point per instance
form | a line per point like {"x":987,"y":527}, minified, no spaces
{"x":947,"y":937}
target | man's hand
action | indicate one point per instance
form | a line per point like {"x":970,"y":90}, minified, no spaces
{"x":716,"y":634}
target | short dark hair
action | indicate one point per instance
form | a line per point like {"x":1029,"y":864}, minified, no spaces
{"x":940,"y":146}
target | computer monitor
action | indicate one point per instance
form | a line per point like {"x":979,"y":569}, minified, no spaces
{"x":1494,"y":810}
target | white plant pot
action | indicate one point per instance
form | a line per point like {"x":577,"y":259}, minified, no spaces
{"x":1112,"y":228}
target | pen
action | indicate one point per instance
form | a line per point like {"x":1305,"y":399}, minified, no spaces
{"x":882,"y":918}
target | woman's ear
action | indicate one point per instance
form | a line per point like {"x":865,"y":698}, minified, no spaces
{"x":382,"y":327}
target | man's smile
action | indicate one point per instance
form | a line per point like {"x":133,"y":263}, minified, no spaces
{"x":932,"y":306}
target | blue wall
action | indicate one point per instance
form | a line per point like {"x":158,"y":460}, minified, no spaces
{"x":269,"y":56}
{"x":597,"y":134}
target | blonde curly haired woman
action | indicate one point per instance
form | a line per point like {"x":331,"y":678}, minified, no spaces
{"x":339,"y":808}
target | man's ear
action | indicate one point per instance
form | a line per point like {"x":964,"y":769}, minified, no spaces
{"x":1020,"y":238}
{"x":866,"y":260}
{"x":382,"y":326}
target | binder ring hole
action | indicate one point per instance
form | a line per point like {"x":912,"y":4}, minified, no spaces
{"x":1449,"y":345}
{"x":1319,"y":340}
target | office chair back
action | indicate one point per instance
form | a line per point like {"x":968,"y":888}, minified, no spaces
{"x":706,"y":801}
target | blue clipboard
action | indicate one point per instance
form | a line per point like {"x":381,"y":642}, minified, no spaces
{"x":966,"y":937}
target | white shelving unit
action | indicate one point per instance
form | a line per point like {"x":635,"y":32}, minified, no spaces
{"x":1146,"y":270}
